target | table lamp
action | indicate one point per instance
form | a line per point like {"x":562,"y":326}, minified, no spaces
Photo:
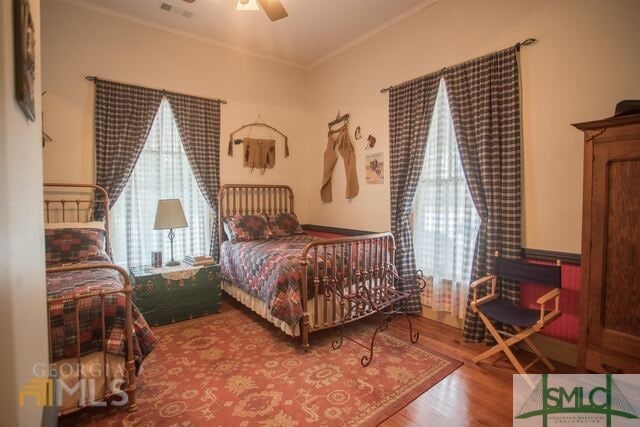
{"x":169,"y":215}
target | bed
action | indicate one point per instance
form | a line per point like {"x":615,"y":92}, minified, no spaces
{"x":300,"y":283}
{"x":97,"y":338}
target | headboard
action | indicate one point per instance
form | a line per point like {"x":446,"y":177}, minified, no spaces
{"x":76,"y":203}
{"x":251,"y":199}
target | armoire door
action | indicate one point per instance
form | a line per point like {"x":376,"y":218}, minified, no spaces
{"x":614,"y":290}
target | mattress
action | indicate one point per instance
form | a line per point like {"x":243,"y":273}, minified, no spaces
{"x":317,"y":318}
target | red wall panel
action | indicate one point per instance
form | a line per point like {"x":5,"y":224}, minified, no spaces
{"x":566,"y":326}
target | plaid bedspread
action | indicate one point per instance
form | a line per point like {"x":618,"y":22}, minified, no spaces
{"x":268,"y":270}
{"x":63,"y":319}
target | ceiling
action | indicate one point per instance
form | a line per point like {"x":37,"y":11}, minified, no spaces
{"x":314,"y":30}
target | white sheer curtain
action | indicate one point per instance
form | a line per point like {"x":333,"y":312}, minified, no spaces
{"x":162,"y":172}
{"x":445,"y":221}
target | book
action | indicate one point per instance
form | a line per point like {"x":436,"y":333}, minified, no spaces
{"x":198,"y":260}
{"x":202,"y":263}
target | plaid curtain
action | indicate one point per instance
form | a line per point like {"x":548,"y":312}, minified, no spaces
{"x":484,"y":97}
{"x":410,"y":110}
{"x":123,"y":118}
{"x":198,"y":121}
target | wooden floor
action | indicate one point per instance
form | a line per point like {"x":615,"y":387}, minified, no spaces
{"x":474,"y":395}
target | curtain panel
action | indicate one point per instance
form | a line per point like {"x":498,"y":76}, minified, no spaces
{"x":445,"y":221}
{"x":198,"y":121}
{"x":161,"y":172}
{"x":123,"y":118}
{"x":410,"y":110}
{"x":484,"y":98}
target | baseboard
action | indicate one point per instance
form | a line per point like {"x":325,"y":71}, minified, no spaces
{"x":442,"y":317}
{"x":50,"y":416}
{"x":50,"y":412}
{"x":555,"y":349}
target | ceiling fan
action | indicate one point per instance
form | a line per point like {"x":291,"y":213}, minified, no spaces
{"x":273,"y":8}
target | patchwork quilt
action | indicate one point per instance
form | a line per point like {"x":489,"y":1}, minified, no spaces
{"x":62,"y":316}
{"x":268,"y":270}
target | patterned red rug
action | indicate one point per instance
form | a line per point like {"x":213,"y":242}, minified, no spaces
{"x":234,"y":368}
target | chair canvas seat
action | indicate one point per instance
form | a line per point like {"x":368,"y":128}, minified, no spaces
{"x":510,"y":314}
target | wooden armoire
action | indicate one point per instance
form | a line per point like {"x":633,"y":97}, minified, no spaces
{"x":609,"y":339}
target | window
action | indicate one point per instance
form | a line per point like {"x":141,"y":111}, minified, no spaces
{"x":445,"y":219}
{"x":162,"y":172}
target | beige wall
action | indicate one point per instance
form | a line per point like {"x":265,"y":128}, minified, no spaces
{"x":77,"y":42}
{"x":586,"y":60}
{"x":23,"y":330}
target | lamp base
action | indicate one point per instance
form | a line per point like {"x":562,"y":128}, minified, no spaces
{"x":172,"y":263}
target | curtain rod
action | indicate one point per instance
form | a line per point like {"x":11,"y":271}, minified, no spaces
{"x":527,"y":42}
{"x":94,"y":78}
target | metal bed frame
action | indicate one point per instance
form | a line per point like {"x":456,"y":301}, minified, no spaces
{"x":78,"y":205}
{"x":364,"y":288}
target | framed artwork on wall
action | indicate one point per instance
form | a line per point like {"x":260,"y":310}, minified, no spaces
{"x":374,"y":173}
{"x":25,"y":57}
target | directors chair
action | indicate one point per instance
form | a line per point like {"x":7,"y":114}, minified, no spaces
{"x":524,"y":321}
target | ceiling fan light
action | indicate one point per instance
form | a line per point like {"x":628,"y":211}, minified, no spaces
{"x":247,"y":5}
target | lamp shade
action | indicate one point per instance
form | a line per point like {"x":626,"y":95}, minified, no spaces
{"x":169,"y":214}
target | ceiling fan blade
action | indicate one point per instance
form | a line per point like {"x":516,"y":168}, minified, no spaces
{"x":274,"y":9}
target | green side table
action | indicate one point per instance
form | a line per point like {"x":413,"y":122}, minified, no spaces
{"x":171,"y":294}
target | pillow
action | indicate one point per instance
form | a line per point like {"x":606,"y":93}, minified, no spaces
{"x":70,"y":244}
{"x":246,"y":227}
{"x":284,"y":224}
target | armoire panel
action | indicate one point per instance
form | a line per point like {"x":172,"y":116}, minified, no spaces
{"x":621,"y":299}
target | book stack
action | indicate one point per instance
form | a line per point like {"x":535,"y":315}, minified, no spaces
{"x":198,"y":260}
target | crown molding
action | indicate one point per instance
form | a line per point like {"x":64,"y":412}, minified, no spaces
{"x":106,"y":11}
{"x":347,"y":46}
{"x":373,"y":32}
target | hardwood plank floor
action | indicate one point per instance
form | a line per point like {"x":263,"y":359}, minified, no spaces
{"x":474,"y":395}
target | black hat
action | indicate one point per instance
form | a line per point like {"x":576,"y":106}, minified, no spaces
{"x":627,"y":107}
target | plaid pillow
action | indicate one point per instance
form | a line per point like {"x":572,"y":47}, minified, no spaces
{"x":246,"y":227}
{"x":285,"y":224}
{"x":74,"y":245}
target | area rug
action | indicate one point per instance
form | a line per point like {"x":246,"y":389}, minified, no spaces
{"x":234,"y":368}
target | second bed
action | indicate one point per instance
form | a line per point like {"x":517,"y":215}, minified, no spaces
{"x":298,"y":282}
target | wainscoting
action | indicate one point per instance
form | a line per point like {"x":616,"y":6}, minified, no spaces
{"x":566,"y":327}
{"x":559,"y":339}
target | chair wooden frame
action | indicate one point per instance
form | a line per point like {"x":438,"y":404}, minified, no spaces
{"x":522,"y":334}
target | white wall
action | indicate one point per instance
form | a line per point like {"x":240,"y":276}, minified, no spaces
{"x":586,"y":60}
{"x":77,"y":42}
{"x":23,"y":330}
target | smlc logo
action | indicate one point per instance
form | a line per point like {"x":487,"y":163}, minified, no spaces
{"x":577,"y":400}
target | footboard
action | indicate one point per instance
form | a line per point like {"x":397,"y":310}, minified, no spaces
{"x":339,"y":272}
{"x":76,"y":300}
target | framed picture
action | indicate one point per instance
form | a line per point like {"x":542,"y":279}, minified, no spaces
{"x":374,"y":173}
{"x":25,"y":57}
